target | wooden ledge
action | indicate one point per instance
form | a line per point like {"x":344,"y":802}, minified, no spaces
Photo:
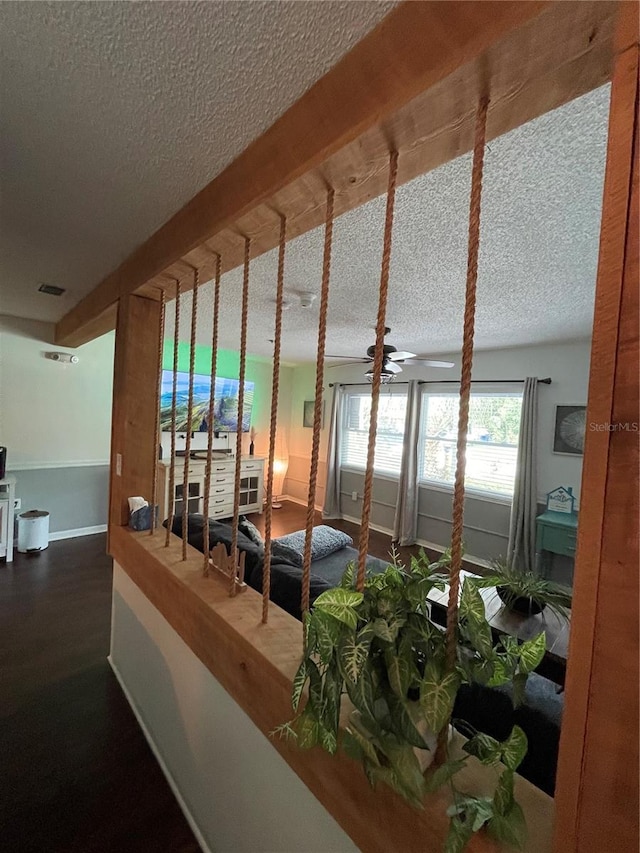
{"x":255,"y":663}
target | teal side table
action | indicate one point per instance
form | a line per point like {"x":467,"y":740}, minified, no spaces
{"x":556,"y":533}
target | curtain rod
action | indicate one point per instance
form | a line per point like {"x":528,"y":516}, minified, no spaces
{"x":546,"y":381}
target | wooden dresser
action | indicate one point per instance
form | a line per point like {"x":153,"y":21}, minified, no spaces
{"x":222,"y":486}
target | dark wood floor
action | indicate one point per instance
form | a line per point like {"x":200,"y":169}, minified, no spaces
{"x":76,"y":774}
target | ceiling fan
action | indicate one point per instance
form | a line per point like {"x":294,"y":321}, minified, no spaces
{"x":392,"y":360}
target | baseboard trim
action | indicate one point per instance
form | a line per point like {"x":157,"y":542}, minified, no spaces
{"x":158,"y":756}
{"x":386,"y":530}
{"x":73,"y":533}
{"x":423,"y":543}
{"x":298,"y":501}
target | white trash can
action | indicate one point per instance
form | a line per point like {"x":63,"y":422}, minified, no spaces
{"x":33,"y":531}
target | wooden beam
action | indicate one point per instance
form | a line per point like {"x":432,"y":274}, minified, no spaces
{"x":530,"y":56}
{"x":135,"y":379}
{"x":256,"y":663}
{"x":597,"y":785}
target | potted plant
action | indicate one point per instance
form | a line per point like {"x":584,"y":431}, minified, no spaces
{"x":526,"y":592}
{"x":380,"y":651}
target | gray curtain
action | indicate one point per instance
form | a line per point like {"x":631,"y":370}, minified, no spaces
{"x":521,"y":550}
{"x":406,"y":520}
{"x":331,"y":508}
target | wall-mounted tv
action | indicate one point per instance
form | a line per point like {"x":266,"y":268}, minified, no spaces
{"x":225,"y":402}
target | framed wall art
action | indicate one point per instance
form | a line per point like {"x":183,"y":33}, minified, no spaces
{"x":570,"y":428}
{"x":307,"y":416}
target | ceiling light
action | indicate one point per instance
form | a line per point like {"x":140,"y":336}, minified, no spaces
{"x":386,"y":376}
{"x":51,"y":289}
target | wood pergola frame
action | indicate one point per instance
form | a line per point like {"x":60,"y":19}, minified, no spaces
{"x":414,"y":82}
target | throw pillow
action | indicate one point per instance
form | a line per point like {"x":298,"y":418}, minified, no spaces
{"x":250,"y":530}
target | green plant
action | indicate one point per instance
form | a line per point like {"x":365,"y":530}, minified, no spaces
{"x":380,"y":649}
{"x":525,"y":591}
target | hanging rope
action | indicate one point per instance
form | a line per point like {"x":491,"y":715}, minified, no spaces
{"x":174,"y":397}
{"x":187,"y":448}
{"x":156,"y":432}
{"x":317,"y":405}
{"x":275,"y":389}
{"x":378,"y":361}
{"x":243,"y":366}
{"x":211,"y":415}
{"x":451,"y":637}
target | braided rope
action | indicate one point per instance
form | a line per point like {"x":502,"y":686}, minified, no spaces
{"x":378,"y":361}
{"x":174,"y":397}
{"x":156,"y":431}
{"x":187,"y":448}
{"x":275,"y":389}
{"x":243,"y":367}
{"x":317,"y":406}
{"x":211,"y":414}
{"x":451,"y":635}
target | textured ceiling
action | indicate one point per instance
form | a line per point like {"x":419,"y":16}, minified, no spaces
{"x":114,"y":114}
{"x":539,"y":248}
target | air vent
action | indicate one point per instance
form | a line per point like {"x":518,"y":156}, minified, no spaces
{"x":51,"y":289}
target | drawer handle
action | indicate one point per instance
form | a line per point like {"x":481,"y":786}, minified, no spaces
{"x":220,"y":501}
{"x":220,"y":479}
{"x":219,"y":491}
{"x":221,"y":469}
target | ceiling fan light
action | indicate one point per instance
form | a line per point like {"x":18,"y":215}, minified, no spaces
{"x":386,"y":376}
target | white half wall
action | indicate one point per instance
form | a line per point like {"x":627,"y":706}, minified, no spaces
{"x":237,"y":793}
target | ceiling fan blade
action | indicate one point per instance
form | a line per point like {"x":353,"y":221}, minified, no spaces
{"x":400,"y":356}
{"x":392,"y":368}
{"x":429,"y":362}
{"x":346,"y":357}
{"x":347,"y":363}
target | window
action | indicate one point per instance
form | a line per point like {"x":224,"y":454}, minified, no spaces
{"x":392,"y":408}
{"x":492,"y":441}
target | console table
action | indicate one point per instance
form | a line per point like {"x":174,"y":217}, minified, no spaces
{"x":556,"y":533}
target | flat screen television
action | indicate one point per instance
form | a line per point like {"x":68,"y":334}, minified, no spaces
{"x":225,"y":402}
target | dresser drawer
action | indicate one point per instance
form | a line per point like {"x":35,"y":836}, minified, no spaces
{"x":221,"y":469}
{"x":221,"y":486}
{"x":559,"y":541}
{"x":224,"y":510}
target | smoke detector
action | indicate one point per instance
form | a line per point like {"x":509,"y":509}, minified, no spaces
{"x":307,"y":298}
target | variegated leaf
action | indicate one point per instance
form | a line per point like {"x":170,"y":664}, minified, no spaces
{"x":340,"y":604}
{"x":437,"y":695}
{"x":532,"y":652}
{"x":514,"y":748}
{"x":471,"y":603}
{"x":299,"y":681}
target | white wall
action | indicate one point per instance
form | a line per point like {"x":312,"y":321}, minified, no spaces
{"x":52,"y":413}
{"x":55,"y":420}
{"x":566,"y":364}
{"x":296,"y":485}
{"x":235,"y":789}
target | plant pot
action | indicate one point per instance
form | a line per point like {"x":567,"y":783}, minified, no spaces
{"x":520,"y":603}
